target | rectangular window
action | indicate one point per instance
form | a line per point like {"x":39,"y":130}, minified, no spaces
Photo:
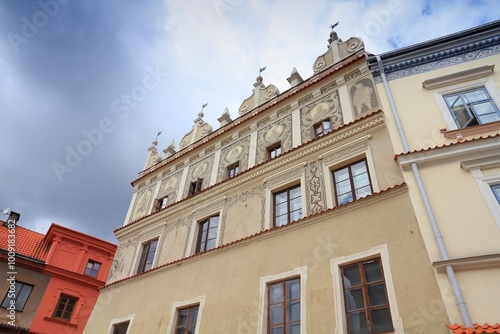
{"x":283,"y":307}
{"x":274,"y":150}
{"x":496,"y":191}
{"x":207,"y":235}
{"x":195,"y":186}
{"x":186,"y":320}
{"x":92,"y":268}
{"x":18,"y":297}
{"x":147,"y":256}
{"x":472,"y":107}
{"x":121,"y":328}
{"x":365,"y":297}
{"x":287,"y":206}
{"x":352,"y":182}
{"x":233,"y":169}
{"x":322,"y":128}
{"x":161,"y":203}
{"x":65,"y":307}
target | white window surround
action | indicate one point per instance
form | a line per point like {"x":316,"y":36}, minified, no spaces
{"x":280,"y":181}
{"x":487,"y":83}
{"x":183,"y":304}
{"x":113,"y":322}
{"x":329,"y":165}
{"x":300,"y":272}
{"x":484,"y":184}
{"x":381,"y":251}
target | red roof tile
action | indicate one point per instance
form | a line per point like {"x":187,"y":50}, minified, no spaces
{"x":27,"y":242}
{"x":478,"y":329}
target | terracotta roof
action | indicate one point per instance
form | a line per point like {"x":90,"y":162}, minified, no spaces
{"x":447,"y":145}
{"x":478,"y":329}
{"x":27,"y":242}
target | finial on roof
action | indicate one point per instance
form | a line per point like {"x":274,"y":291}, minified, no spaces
{"x":201,"y":114}
{"x":225,"y":117}
{"x":155,"y":142}
{"x":295,"y":78}
{"x":259,"y":77}
{"x":333,"y":34}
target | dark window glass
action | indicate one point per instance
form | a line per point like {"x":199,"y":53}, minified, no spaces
{"x":287,"y":206}
{"x":195,"y":186}
{"x":186,"y":320}
{"x":472,"y":107}
{"x":65,"y":307}
{"x":120,"y":328}
{"x":92,"y":268}
{"x":322,"y":128}
{"x":18,"y":297}
{"x":207,"y":235}
{"x":365,"y":294}
{"x":283,"y":307}
{"x":147,"y":256}
{"x":352,"y":182}
{"x":161,"y":203}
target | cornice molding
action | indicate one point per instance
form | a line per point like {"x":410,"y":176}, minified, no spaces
{"x":469,"y":263}
{"x":458,"y":77}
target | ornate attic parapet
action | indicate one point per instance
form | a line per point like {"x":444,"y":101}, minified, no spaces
{"x":154,"y":156}
{"x":200,"y":129}
{"x":261,"y":94}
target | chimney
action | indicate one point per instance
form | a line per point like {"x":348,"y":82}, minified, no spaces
{"x":13,"y":219}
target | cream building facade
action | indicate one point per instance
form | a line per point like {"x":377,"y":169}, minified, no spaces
{"x":292,"y":218}
{"x":441,"y":100}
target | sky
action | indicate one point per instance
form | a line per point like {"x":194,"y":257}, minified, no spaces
{"x":86,"y":85}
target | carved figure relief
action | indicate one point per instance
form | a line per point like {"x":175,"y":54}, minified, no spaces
{"x":200,"y":170}
{"x":233,"y":153}
{"x":169,"y":187}
{"x":327,"y":107}
{"x":279,"y":131}
{"x":363,"y":97}
{"x":142,"y":203}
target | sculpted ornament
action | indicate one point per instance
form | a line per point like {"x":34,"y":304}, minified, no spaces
{"x":234,"y":153}
{"x":273,"y":134}
{"x":200,"y":170}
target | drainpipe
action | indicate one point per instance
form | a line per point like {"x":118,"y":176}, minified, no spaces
{"x":462,"y":306}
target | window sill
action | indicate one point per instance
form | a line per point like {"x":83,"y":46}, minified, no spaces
{"x":61,"y":321}
{"x":471,"y":131}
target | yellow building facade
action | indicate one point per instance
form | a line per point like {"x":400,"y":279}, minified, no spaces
{"x":292,"y":218}
{"x":441,"y":101}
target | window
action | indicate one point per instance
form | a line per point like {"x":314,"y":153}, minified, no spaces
{"x":274,"y":150}
{"x":322,"y":128}
{"x":287,"y":206}
{"x":147,"y":256}
{"x":496,"y":191}
{"x":186,"y":320}
{"x":161,"y":203}
{"x":352,"y":182}
{"x":18,"y":297}
{"x":233,"y":169}
{"x":365,"y":297}
{"x":283,"y":312}
{"x":65,"y":307}
{"x":195,"y":186}
{"x":472,"y":107}
{"x":92,"y":268}
{"x":120,"y":328}
{"x":207,"y":235}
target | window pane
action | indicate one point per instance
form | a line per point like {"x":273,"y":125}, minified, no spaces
{"x":281,"y":209}
{"x":360,"y":193}
{"x":293,"y":312}
{"x":277,"y":330}
{"x":275,"y":293}
{"x":293,"y":329}
{"x":293,"y":289}
{"x":358,"y":323}
{"x":344,"y":198}
{"x":381,"y":320}
{"x":373,"y":272}
{"x":214,"y":221}
{"x":281,"y":220}
{"x":496,"y":191}
{"x":377,"y":295}
{"x":191,"y":329}
{"x":295,"y":204}
{"x":351,"y":275}
{"x":180,"y":331}
{"x":276,"y":314}
{"x":210,"y":244}
{"x":341,"y":175}
{"x":212,"y":233}
{"x":358,"y":168}
{"x":281,"y":197}
{"x":193,"y":315}
{"x":476,"y":95}
{"x":344,"y":187}
{"x":183,"y":314}
{"x":295,"y":192}
{"x":354,"y":299}
{"x":361,"y":181}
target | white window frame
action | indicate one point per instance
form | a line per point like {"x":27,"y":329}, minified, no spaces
{"x":439,"y":94}
{"x":301,"y":273}
{"x":129,"y":318}
{"x":484,"y":183}
{"x":381,"y":251}
{"x":200,"y":301}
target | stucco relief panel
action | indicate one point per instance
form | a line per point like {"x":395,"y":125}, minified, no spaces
{"x":123,"y":259}
{"x":315,"y":189}
{"x":169,"y":186}
{"x":327,"y":107}
{"x":232,"y":154}
{"x":200,"y":170}
{"x":363,"y":96}
{"x":279,"y":131}
{"x":142,"y":203}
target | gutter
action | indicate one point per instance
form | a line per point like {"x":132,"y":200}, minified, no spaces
{"x":462,"y":306}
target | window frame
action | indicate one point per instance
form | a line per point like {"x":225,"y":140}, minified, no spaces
{"x":144,"y":253}
{"x":92,"y":268}
{"x":301,"y":273}
{"x":59,"y":301}
{"x":274,"y":150}
{"x":287,"y":190}
{"x":382,"y":252}
{"x":114,"y":328}
{"x":160,"y":203}
{"x":113,"y":322}
{"x":320,"y":125}
{"x":195,"y":186}
{"x":207,"y":220}
{"x":172,"y":323}
{"x":284,"y":303}
{"x":485,"y":183}
{"x":470,"y":107}
{"x":486,"y":83}
{"x":351,"y":178}
{"x":189,"y":309}
{"x":233,"y":169}
{"x":17,"y":295}
{"x":496,"y":192}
